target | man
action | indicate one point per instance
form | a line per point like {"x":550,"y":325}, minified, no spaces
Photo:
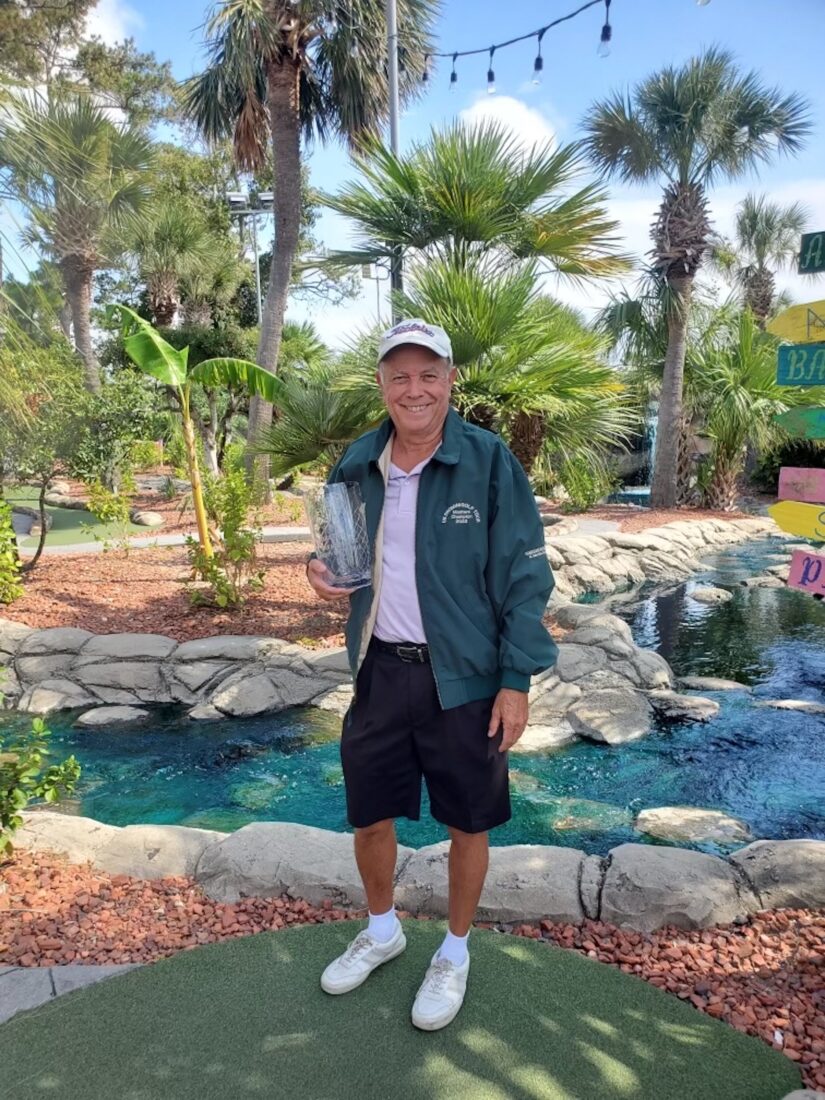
{"x":442,"y":645}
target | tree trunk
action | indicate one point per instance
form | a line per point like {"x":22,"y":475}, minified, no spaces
{"x":483,"y":416}
{"x":665,"y":463}
{"x":224,"y":434}
{"x":724,"y":484}
{"x":527,"y":438}
{"x":41,"y":501}
{"x":285,"y":125}
{"x":684,"y":463}
{"x":195,"y":478}
{"x":209,"y":434}
{"x":78,"y":280}
{"x":65,"y":317}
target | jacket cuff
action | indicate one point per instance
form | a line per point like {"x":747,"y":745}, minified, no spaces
{"x":517,"y":681}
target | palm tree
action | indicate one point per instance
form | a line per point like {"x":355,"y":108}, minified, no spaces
{"x":766,"y":238}
{"x":280,"y":71}
{"x":474,"y":190}
{"x":169,"y":243}
{"x":740,"y":398}
{"x":81,"y":179}
{"x":518,"y":356}
{"x":688,"y":127}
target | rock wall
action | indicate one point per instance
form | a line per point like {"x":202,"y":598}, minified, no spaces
{"x":635,"y":886}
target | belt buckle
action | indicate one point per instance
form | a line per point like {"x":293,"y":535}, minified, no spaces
{"x":413,"y":650}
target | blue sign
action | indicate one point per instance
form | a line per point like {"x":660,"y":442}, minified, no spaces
{"x":801,"y":365}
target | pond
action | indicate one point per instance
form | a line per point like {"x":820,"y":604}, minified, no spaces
{"x":763,"y":765}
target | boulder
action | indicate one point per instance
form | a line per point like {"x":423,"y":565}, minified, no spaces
{"x":226,"y":647}
{"x":682,"y":708}
{"x":80,"y":838}
{"x":147,"y":519}
{"x":205,"y":712}
{"x":589,"y":578}
{"x":524,"y":882}
{"x":142,"y":677}
{"x":195,"y":674}
{"x":106,"y":716}
{"x":806,"y":706}
{"x":336,"y":699}
{"x":541,"y":737}
{"x":267,"y":859}
{"x":57,"y":639}
{"x":684,"y":824}
{"x":12,"y":635}
{"x":612,"y":715}
{"x":764,"y":580}
{"x":574,"y":661}
{"x":785,"y":873}
{"x":129,"y":646}
{"x":46,"y":666}
{"x":553,"y":700}
{"x":243,"y":695}
{"x":711,"y":683}
{"x":647,"y":886}
{"x":711,"y":595}
{"x":590,"y":885}
{"x":52,"y":695}
{"x":653,"y":670}
{"x":155,"y":851}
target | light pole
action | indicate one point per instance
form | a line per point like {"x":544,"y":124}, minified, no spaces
{"x":396,"y":274}
{"x":367,"y":273}
{"x":242,"y":206}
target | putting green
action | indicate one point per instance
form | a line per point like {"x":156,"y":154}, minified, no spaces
{"x":247,"y":1018}
{"x":66,"y":527}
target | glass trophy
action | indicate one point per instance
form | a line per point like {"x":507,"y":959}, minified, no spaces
{"x":337,"y":518}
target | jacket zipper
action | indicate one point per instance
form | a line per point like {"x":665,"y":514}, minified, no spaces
{"x":418,"y":586}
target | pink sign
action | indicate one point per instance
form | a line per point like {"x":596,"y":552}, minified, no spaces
{"x":807,"y":572}
{"x":797,"y":483}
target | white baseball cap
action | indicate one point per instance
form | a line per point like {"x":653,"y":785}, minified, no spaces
{"x":416,"y":331}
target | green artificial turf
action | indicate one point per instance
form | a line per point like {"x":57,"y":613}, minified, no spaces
{"x":66,"y":523}
{"x":247,"y":1018}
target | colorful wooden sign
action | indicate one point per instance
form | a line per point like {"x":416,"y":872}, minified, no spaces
{"x":801,"y":365}
{"x":812,"y":253}
{"x":806,"y":422}
{"x":807,"y":572}
{"x":807,"y":521}
{"x":802,"y":324}
{"x":800,"y":483}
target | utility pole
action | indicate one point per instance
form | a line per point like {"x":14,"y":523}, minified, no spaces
{"x":396,"y":274}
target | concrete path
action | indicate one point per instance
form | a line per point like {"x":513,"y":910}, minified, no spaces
{"x":24,"y":987}
{"x":270,"y":534}
{"x":589,"y":527}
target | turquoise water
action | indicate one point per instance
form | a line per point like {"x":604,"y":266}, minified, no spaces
{"x":763,"y":765}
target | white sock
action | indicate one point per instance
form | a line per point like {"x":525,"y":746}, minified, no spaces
{"x":382,"y":925}
{"x":454,"y":948}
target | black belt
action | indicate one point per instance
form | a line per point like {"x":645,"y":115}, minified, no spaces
{"x":407,"y":651}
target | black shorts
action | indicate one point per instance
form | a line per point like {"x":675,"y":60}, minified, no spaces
{"x":395,"y":731}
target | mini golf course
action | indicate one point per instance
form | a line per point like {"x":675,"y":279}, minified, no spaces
{"x":247,"y":1018}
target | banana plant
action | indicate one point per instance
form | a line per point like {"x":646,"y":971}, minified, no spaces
{"x":155,"y":356}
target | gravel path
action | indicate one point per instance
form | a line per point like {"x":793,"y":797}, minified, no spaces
{"x":764,"y":977}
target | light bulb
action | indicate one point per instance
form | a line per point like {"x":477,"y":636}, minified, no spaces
{"x":604,"y":42}
{"x":702,"y":3}
{"x":491,"y":82}
{"x":538,"y":66}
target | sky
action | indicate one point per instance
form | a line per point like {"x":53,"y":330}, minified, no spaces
{"x":647,"y":34}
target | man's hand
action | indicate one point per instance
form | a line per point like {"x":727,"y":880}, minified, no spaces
{"x":510,"y":710}
{"x":319,"y":577}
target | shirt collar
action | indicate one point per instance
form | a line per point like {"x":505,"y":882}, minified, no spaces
{"x":448,"y":451}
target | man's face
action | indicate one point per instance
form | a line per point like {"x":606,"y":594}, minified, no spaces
{"x":416,"y":385}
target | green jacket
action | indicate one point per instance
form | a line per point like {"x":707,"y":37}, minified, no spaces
{"x":481,"y":571}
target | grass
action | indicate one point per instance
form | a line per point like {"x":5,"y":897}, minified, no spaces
{"x":247,"y":1018}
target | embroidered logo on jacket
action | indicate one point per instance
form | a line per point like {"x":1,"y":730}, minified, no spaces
{"x":461,"y":512}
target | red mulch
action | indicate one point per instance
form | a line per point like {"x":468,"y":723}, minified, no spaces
{"x":763,"y":977}
{"x":638,"y":520}
{"x":142,"y":591}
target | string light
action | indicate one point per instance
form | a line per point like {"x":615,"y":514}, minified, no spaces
{"x":538,"y":64}
{"x":491,"y":76}
{"x":607,"y":33}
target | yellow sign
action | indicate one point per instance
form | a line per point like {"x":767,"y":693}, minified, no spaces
{"x":807,"y":521}
{"x":803,"y":324}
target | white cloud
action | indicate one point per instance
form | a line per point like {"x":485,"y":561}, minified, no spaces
{"x":113,"y":20}
{"x":527,"y":124}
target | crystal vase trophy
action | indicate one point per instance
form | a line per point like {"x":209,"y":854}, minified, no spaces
{"x":337,"y":517}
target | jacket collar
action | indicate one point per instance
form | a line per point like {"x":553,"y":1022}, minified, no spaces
{"x":449,"y":451}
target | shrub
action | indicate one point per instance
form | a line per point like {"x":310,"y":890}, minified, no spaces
{"x":10,"y":586}
{"x":230,"y":572}
{"x":112,"y":509}
{"x":25,"y":777}
{"x":586,"y":483}
{"x":146,"y":453}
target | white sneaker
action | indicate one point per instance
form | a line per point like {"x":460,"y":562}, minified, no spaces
{"x":441,"y":994}
{"x":359,"y":960}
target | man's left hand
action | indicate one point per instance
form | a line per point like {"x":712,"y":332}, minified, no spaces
{"x":510,"y":710}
